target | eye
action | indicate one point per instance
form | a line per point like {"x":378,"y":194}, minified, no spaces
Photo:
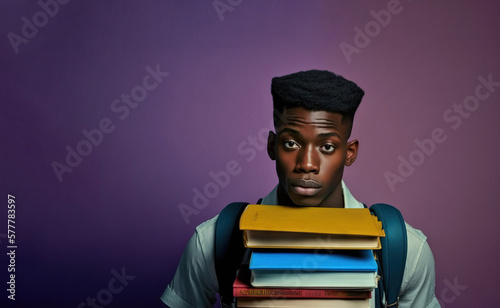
{"x":328,"y":148}
{"x":290,"y":144}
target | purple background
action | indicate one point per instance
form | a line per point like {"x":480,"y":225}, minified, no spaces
{"x":119,"y":208}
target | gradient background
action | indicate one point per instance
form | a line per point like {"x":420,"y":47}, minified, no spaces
{"x":120,"y":207}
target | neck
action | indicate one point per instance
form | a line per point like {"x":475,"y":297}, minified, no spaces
{"x":335,"y":199}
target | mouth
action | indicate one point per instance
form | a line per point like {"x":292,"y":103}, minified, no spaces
{"x":305,"y":187}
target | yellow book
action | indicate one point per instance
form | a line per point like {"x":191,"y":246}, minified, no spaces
{"x":277,"y":226}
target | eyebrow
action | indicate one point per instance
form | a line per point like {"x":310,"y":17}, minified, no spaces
{"x":331,"y":134}
{"x":296,"y":132}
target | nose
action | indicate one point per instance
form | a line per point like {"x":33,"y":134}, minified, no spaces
{"x":307,"y":160}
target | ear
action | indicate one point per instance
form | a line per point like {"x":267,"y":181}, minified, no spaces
{"x":352,"y":152}
{"x":271,"y":145}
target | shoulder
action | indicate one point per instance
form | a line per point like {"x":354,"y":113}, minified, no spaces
{"x":203,"y":238}
{"x":207,"y":227}
{"x":419,"y":252}
{"x":419,"y":255}
{"x":418,"y":285}
{"x":416,"y":234}
{"x":419,"y":260}
{"x":416,"y":242}
{"x":195,"y":283}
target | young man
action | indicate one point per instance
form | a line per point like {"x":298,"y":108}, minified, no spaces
{"x":313,"y":117}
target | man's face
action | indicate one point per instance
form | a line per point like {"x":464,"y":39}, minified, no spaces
{"x":311,"y":149}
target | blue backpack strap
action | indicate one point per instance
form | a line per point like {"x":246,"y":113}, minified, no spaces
{"x":392,"y":256}
{"x":229,"y":248}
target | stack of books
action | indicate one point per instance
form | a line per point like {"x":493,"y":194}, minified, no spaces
{"x":308,"y":257}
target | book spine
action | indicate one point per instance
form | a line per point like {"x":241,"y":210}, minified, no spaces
{"x":299,"y":293}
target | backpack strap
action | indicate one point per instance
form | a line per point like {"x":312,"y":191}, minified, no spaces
{"x":392,"y":256}
{"x":229,"y":248}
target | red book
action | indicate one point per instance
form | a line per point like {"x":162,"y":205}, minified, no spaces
{"x":243,"y":288}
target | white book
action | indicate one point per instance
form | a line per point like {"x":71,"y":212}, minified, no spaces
{"x":304,"y":279}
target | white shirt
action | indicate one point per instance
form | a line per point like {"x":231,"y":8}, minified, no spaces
{"x":195,"y":282}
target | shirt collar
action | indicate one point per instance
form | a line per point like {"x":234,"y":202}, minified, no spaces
{"x":349,"y":201}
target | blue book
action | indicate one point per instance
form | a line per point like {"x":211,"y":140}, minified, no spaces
{"x":350,"y":269}
{"x":333,"y":260}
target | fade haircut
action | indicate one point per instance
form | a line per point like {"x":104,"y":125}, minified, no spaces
{"x":316,"y":90}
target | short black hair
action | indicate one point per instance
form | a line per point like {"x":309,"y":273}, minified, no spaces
{"x":316,"y":90}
